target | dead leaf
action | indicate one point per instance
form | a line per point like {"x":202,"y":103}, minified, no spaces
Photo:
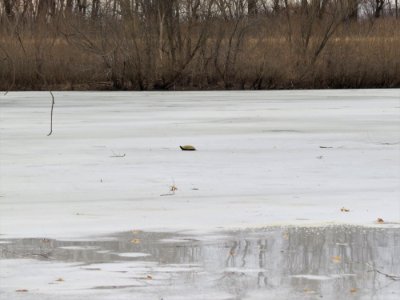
{"x":336,"y":259}
{"x":343,"y":209}
{"x":380,"y":221}
{"x":173,"y":188}
{"x":353,"y":290}
{"x":285,"y":235}
{"x":149,"y":277}
{"x":135,"y":241}
{"x":60,"y":279}
{"x":232,"y":252}
{"x":21,"y":291}
{"x":308,"y":291}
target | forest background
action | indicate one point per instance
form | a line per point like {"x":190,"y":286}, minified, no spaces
{"x":198,"y":44}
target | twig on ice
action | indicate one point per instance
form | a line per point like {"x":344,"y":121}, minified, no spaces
{"x":117,"y":155}
{"x":51,"y":113}
{"x":391,"y":276}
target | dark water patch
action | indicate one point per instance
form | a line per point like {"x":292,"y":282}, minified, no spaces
{"x":87,"y":251}
{"x":337,"y":262}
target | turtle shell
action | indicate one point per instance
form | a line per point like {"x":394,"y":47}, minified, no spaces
{"x":187,"y":148}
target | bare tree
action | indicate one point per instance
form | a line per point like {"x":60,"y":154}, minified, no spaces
{"x":252,"y":7}
{"x":8,"y":8}
{"x":175,"y":44}
{"x":379,"y":4}
{"x":95,"y":8}
{"x":352,"y":9}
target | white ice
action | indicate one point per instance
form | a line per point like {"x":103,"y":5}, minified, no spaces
{"x":259,"y":160}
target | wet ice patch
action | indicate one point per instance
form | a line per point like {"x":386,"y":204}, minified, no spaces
{"x":269,"y":263}
{"x":244,"y":270}
{"x":174,"y":268}
{"x":103,"y":251}
{"x":313,"y":277}
{"x":321,"y":277}
{"x":79,"y":247}
{"x":132,"y":254}
{"x":173,"y":241}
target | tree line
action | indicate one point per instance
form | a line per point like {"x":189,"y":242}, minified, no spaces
{"x":39,"y":9}
{"x":198,"y":44}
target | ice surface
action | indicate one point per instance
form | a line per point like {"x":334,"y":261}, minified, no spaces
{"x":271,"y":263}
{"x":259,"y":160}
{"x":132,"y":254}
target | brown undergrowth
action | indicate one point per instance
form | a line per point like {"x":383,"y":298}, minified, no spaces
{"x":158,"y":51}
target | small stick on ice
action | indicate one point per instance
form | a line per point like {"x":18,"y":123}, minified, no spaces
{"x":51,"y":113}
{"x":117,"y":155}
{"x":391,"y":276}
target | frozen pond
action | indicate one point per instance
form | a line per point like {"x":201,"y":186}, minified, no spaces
{"x":335,"y":262}
{"x":264,"y":158}
{"x":299,"y":163}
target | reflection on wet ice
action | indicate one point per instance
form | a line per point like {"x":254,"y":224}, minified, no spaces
{"x":336,"y":262}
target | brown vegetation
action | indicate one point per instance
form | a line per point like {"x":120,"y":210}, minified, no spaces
{"x":198,"y":44}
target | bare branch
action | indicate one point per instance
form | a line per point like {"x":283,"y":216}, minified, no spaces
{"x":51,"y":113}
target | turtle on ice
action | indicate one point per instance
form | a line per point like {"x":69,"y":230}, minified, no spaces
{"x":187,"y":148}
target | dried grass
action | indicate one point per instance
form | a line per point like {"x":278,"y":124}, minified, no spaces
{"x":258,"y":55}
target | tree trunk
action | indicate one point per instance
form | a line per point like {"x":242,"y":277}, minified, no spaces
{"x":43,"y":7}
{"x":252,"y":7}
{"x":353,"y":10}
{"x":95,"y":9}
{"x":276,"y":7}
{"x":8,"y":6}
{"x":68,"y":7}
{"x":379,"y":7}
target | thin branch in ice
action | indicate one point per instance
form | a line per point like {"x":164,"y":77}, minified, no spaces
{"x":391,"y":276}
{"x":51,"y":113}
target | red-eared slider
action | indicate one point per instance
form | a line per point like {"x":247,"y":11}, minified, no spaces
{"x":187,"y":148}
